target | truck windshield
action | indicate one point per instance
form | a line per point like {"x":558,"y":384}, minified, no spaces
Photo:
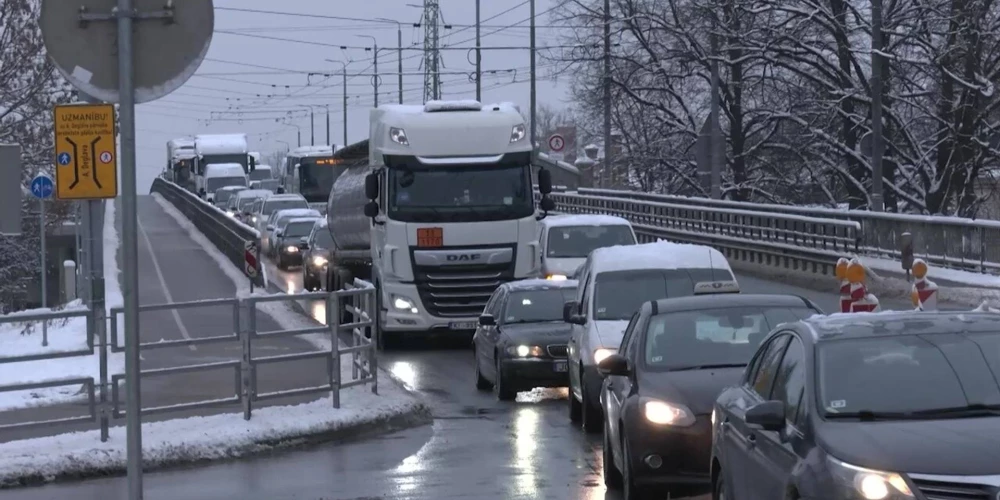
{"x":316,"y":176}
{"x":260,"y":174}
{"x":229,"y":158}
{"x":214,"y":183}
{"x":457,"y":193}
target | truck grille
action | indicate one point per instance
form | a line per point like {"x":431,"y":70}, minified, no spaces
{"x":459,"y":291}
{"x":940,"y":490}
{"x":557,"y":351}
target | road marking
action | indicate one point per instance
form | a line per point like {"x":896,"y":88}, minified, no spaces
{"x":163,"y":284}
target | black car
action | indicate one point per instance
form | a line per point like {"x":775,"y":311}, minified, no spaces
{"x":521,"y":340}
{"x":896,"y":405}
{"x":291,"y":240}
{"x":677,"y":355}
{"x":316,"y":257}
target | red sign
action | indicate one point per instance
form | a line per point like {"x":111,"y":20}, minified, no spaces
{"x":250,"y":259}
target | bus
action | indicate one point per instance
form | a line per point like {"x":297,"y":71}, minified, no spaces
{"x":310,"y":172}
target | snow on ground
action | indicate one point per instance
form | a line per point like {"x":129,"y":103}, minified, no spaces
{"x":64,"y":335}
{"x":214,"y":437}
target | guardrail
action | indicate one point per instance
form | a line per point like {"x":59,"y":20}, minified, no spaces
{"x":951,"y":242}
{"x":226,"y":233}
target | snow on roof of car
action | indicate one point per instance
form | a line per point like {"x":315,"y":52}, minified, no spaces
{"x":540,"y":284}
{"x":311,"y":220}
{"x":298,"y":212}
{"x":252,"y":193}
{"x":658,"y":255}
{"x":584,"y":220}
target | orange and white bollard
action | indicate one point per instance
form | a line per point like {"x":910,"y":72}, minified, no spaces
{"x":861,"y":300}
{"x":923,"y":293}
{"x":845,"y":286}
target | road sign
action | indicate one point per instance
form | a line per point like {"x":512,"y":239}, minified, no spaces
{"x":11,"y":190}
{"x":169,"y":44}
{"x":42,"y":187}
{"x":250,"y":258}
{"x":556,"y":143}
{"x":84,"y":132}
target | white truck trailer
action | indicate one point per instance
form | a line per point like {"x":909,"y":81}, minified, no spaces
{"x":220,"y":148}
{"x":180,"y":161}
{"x":436,"y":209}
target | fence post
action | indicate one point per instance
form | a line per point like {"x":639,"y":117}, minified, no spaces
{"x":372,"y":313}
{"x":246,"y":369}
{"x":102,"y":340}
{"x":335,"y":349}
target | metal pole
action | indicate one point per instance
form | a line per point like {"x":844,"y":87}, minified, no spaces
{"x":375,"y":81}
{"x":399,"y":41}
{"x":606,"y":167}
{"x":45,"y":281}
{"x":345,"y":104}
{"x":312,"y":127}
{"x":533,"y":90}
{"x":878,"y":145}
{"x":479,"y":57}
{"x":717,"y":151}
{"x":328,"y":126}
{"x":95,"y":229}
{"x":130,"y":250}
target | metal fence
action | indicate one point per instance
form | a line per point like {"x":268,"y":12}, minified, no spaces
{"x":358,"y":338}
{"x":226,"y":233}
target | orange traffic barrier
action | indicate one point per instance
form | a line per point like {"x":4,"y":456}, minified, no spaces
{"x":861,"y":299}
{"x":923,"y":293}
{"x":845,"y":285}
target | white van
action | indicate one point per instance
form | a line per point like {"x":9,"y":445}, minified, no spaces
{"x":567,"y":240}
{"x":261,"y":173}
{"x":220,"y":175}
{"x":614,"y":283}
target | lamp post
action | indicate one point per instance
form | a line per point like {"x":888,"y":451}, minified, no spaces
{"x":343,"y":72}
{"x":399,"y":49}
{"x":374,"y":50}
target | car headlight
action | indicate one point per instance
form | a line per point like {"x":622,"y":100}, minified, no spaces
{"x":398,"y":136}
{"x":524,"y":351}
{"x":404,"y":304}
{"x":517,"y":133}
{"x":869,"y":484}
{"x":601,"y":354}
{"x":556,"y":277}
{"x":291,"y":249}
{"x":319,"y":261}
{"x":230,"y":213}
{"x":663,"y":413}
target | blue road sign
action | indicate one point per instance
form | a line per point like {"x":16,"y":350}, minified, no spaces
{"x":42,"y":186}
{"x":64,"y":159}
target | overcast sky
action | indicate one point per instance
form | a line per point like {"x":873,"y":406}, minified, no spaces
{"x":252,"y":83}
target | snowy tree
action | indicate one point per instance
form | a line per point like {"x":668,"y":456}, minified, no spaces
{"x":29,"y":87}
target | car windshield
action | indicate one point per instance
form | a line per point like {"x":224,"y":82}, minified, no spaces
{"x":212,"y":184}
{"x":223,"y":195}
{"x":535,"y":306}
{"x":322,"y":238}
{"x":260,"y":174}
{"x":298,"y":229}
{"x":271,"y":206}
{"x":579,"y":241}
{"x":908,"y":373}
{"x":618,"y":294}
{"x":246,"y":203}
{"x":712,"y":337}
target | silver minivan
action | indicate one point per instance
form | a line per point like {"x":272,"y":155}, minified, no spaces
{"x":567,"y":240}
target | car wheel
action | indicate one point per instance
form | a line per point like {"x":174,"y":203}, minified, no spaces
{"x":629,"y":490}
{"x":592,"y":417}
{"x":481,"y":383}
{"x":612,"y":476}
{"x":500,"y":387}
{"x":574,"y":405}
{"x":719,"y":489}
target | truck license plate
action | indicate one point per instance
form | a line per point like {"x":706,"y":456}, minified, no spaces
{"x":463,"y":325}
{"x":560,"y":366}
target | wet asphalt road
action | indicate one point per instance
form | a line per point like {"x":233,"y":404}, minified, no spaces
{"x":477,"y":447}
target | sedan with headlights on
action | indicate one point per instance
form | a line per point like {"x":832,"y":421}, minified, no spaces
{"x":521,"y":340}
{"x":291,"y":240}
{"x":675,"y":359}
{"x":315,"y":257}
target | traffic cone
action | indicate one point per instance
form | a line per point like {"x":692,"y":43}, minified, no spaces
{"x":923,"y":293}
{"x":845,"y":285}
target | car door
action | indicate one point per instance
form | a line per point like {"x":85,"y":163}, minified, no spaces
{"x":492,"y":333}
{"x":738,"y":439}
{"x":775,"y":454}
{"x":618,"y":388}
{"x":480,"y":342}
{"x":576,"y":338}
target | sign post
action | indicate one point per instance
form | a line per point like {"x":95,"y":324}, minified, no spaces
{"x":250,"y":261}
{"x":42,"y":188}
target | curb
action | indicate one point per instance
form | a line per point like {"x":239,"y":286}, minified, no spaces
{"x":416,"y":414}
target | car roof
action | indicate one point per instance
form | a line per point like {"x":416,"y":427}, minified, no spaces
{"x":282,"y":197}
{"x":584,"y":220}
{"x":301,"y":212}
{"x":232,"y":188}
{"x":539,"y":284}
{"x":253,"y":193}
{"x":893,"y":323}
{"x":303,"y":219}
{"x":658,"y":255}
{"x":725,"y":300}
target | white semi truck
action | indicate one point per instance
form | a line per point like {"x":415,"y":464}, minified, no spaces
{"x":220,"y":149}
{"x":436,"y":209}
{"x":180,"y":161}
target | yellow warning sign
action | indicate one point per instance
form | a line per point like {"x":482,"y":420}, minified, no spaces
{"x":86,"y":163}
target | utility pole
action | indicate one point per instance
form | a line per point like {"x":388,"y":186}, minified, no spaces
{"x":375,"y":77}
{"x":328,"y":125}
{"x":344,"y":73}
{"x":312,"y":126}
{"x":479,"y":56}
{"x":718,"y":149}
{"x":432,"y":56}
{"x":878,"y":144}
{"x":606,"y":167}
{"x":534,"y":93}
{"x":399,"y":55}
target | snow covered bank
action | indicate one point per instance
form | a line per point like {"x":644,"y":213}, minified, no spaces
{"x":217,"y":437}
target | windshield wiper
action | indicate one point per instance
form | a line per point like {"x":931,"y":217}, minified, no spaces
{"x":976,"y":409}
{"x":973,"y":410}
{"x":707,"y":367}
{"x":868,"y":415}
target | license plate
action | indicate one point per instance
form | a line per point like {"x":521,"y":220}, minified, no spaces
{"x":560,"y":366}
{"x":463,"y":325}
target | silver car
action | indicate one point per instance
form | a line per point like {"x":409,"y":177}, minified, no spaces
{"x":567,"y":240}
{"x":279,"y":219}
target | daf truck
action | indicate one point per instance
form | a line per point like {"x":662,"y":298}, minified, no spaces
{"x":180,"y":161}
{"x":436,"y":210}
{"x":212,"y":149}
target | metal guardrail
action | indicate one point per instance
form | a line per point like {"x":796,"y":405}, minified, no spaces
{"x":226,"y":233}
{"x":951,"y":242}
{"x":104,"y":400}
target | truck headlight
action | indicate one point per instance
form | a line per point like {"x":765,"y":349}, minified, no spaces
{"x":398,"y":136}
{"x":869,"y":484}
{"x":524,"y":351}
{"x":517,"y":133}
{"x":319,"y":261}
{"x":404,"y":304}
{"x":663,"y":413}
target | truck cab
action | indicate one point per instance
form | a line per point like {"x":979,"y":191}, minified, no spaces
{"x":220,"y":175}
{"x":214,"y":149}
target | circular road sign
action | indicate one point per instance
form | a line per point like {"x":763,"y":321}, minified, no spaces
{"x":106,"y":157}
{"x":556,"y":143}
{"x":168,"y":45}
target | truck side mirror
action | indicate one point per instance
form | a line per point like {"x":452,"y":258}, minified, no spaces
{"x":253,"y":163}
{"x":371,"y":186}
{"x":544,"y":181}
{"x":371,"y":209}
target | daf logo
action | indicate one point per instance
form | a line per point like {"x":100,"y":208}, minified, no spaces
{"x":463,"y":257}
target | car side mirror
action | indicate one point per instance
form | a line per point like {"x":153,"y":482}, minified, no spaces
{"x":270,"y":227}
{"x":253,"y":163}
{"x":371,"y":209}
{"x":487,"y":320}
{"x":569,"y":308}
{"x":578,"y":319}
{"x":769,"y":415}
{"x":544,"y":181}
{"x":615,"y":364}
{"x":277,"y":234}
{"x":371,"y":186}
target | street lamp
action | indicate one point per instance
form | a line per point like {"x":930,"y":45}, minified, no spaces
{"x":297,"y":129}
{"x":344,"y":73}
{"x":399,"y":49}
{"x":374,"y":50}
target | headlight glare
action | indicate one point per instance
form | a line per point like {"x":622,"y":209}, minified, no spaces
{"x":524,"y":351}
{"x":663,"y":413}
{"x":319,"y":260}
{"x":292,"y":249}
{"x":404,"y":304}
{"x":556,"y":277}
{"x":601,"y":354}
{"x":870,"y":484}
